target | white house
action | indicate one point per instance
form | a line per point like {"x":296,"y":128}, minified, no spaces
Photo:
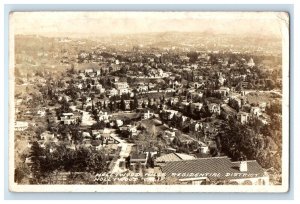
{"x":169,"y":133}
{"x":255,"y":111}
{"x":223,"y":91}
{"x":243,"y":117}
{"x":147,"y":114}
{"x":121,"y":85}
{"x":104,"y":116}
{"x":113,"y":92}
{"x":67,"y":118}
{"x":214,"y":108}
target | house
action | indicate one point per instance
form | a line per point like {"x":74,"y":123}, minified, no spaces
{"x":21,"y":125}
{"x":119,"y":123}
{"x":121,"y":85}
{"x":256,"y":111}
{"x":169,"y":150}
{"x":67,"y":118}
{"x":86,"y":136}
{"x":100,"y":88}
{"x":251,"y":63}
{"x":264,"y":118}
{"x":104,"y":116}
{"x":151,"y":86}
{"x":96,"y":134}
{"x":172,"y":113}
{"x":197,"y":94}
{"x":214,"y":108}
{"x":215,"y":170}
{"x":170,"y":133}
{"x":196,"y":106}
{"x":262,"y":106}
{"x":114,"y":79}
{"x":224,"y":91}
{"x":150,"y":150}
{"x":221,"y":80}
{"x":122,"y":91}
{"x":112,"y":92}
{"x":19,"y":101}
{"x":138,"y":158}
{"x":236,"y":99}
{"x":196,"y":85}
{"x":142,"y":88}
{"x":204,"y":148}
{"x":41,"y":112}
{"x":195,"y":126}
{"x":47,"y":135}
{"x":227,"y":112}
{"x":130,"y":128}
{"x":162,"y":160}
{"x":243,"y":117}
{"x":147,"y":115}
{"x":88,"y":71}
{"x":86,"y":118}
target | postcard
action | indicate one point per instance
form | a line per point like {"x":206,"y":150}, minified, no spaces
{"x":114,"y":101}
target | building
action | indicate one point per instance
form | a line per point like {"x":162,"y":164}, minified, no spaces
{"x":171,"y":113}
{"x":215,"y":170}
{"x":228,"y":112}
{"x":67,"y":118}
{"x":196,"y":106}
{"x":162,"y":160}
{"x":251,"y":63}
{"x":214,"y":108}
{"x":138,"y":158}
{"x":113,"y":92}
{"x":243,"y":117}
{"x":121,"y":85}
{"x":41,"y":112}
{"x":123,"y":91}
{"x":21,"y":125}
{"x":170,"y":133}
{"x":88,"y":71}
{"x":224,"y":91}
{"x":255,"y":111}
{"x":147,"y":115}
{"x":104,"y":116}
{"x":47,"y":135}
{"x":142,"y":88}
{"x":100,"y":88}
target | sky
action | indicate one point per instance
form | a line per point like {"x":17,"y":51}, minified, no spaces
{"x":93,"y":24}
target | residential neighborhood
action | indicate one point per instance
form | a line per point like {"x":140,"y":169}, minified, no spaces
{"x":113,"y":112}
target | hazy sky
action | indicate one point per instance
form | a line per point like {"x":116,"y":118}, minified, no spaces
{"x":81,"y":24}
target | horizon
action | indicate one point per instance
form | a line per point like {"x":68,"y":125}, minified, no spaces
{"x":83,"y":24}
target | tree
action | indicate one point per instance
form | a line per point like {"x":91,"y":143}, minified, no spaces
{"x":22,"y":172}
{"x":143,"y":105}
{"x":127,"y":162}
{"x":150,"y":161}
{"x":204,"y":112}
{"x":123,"y":105}
{"x":132,"y":105}
{"x":135,"y":102}
{"x":96,"y":162}
{"x":36,"y":154}
{"x":99,"y":125}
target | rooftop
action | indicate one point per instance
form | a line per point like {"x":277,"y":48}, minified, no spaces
{"x":214,"y":168}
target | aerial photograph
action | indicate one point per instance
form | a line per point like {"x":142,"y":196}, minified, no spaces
{"x":147,"y":98}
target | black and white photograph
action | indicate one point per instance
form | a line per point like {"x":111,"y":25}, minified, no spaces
{"x":148,"y":101}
